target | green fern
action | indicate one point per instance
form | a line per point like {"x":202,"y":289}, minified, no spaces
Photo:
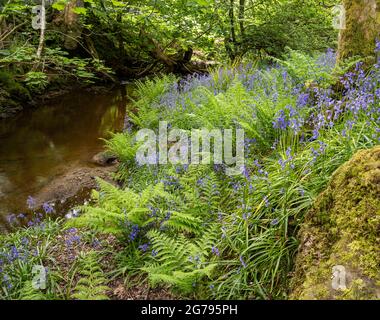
{"x":211,"y":192}
{"x":91,"y":285}
{"x":181,"y":262}
{"x":123,"y":146}
{"x":28,"y":292}
{"x":115,"y":207}
{"x":184,"y":222}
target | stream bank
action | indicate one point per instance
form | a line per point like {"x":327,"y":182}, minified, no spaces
{"x":47,"y":152}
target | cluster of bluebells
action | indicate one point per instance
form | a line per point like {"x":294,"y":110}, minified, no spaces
{"x":303,"y":112}
{"x":33,"y":218}
{"x":177,"y":94}
{"x":359,"y":99}
{"x":12,"y":255}
{"x":170,"y":181}
{"x":327,"y":61}
{"x":133,"y":233}
{"x":144,"y":247}
{"x":72,"y":237}
{"x":22,"y":252}
{"x":316,"y":106}
{"x":215,"y":251}
{"x":72,"y":240}
{"x":288,"y":159}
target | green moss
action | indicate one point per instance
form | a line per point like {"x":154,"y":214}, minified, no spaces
{"x":15,"y":89}
{"x":12,"y":94}
{"x":343,"y":229}
{"x":362,"y":28}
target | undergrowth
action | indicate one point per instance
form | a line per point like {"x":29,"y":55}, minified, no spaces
{"x":208,"y":235}
{"x":204,"y":234}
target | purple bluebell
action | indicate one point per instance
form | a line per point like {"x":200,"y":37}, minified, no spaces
{"x":242,"y":262}
{"x":31,"y":202}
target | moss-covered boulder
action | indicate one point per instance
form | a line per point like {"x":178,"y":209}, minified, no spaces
{"x":12,"y":95}
{"x":339,"y":255}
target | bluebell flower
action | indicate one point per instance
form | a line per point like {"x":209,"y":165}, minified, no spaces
{"x":266,"y":201}
{"x":303,"y":99}
{"x":11,"y":218}
{"x":144,"y":247}
{"x":274,"y":222}
{"x":96,"y":243}
{"x":281,"y":121}
{"x":242,"y":262}
{"x":133,"y":234}
{"x":215,"y":251}
{"x":31,"y":202}
{"x":47,"y":208}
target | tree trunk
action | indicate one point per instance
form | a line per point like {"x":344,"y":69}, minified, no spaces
{"x":241,"y":19}
{"x":73,"y":27}
{"x":361,"y":29}
{"x":43,"y":27}
{"x":231,"y":42}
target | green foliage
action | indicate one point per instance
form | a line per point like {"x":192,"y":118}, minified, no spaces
{"x":13,"y":87}
{"x":149,"y":93}
{"x":192,"y":228}
{"x":19,"y":253}
{"x":116,"y":208}
{"x":321,"y":70}
{"x":36,"y":81}
{"x":123,"y":146}
{"x":22,"y":74}
{"x":184,"y":238}
{"x":149,"y":36}
{"x":29,"y":293}
{"x":178,"y":261}
{"x":92,"y":282}
{"x":210,"y":235}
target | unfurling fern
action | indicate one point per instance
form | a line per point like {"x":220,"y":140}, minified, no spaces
{"x":92,"y":284}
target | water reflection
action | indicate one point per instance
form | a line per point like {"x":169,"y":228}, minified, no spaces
{"x":38,"y":144}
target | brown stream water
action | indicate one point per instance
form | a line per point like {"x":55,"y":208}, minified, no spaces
{"x":38,"y":143}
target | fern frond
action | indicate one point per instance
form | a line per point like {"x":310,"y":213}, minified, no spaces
{"x":27,"y":292}
{"x":92,"y":284}
{"x":184,"y":222}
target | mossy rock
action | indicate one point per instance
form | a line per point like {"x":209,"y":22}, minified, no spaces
{"x":15,"y":89}
{"x":8,"y":106}
{"x":12,"y":95}
{"x":342,"y":232}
